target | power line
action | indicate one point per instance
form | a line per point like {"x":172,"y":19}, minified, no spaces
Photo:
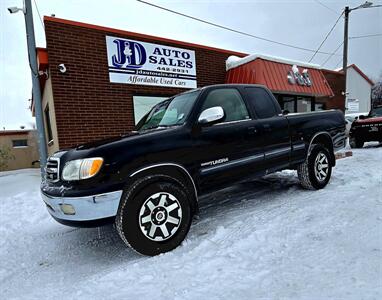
{"x":353,"y":37}
{"x":326,"y":37}
{"x":340,"y":62}
{"x":327,"y":7}
{"x":233,"y":30}
{"x":334,"y":52}
{"x":38,"y":12}
{"x":365,"y":36}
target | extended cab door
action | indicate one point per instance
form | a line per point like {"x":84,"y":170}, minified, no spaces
{"x":272,"y":127}
{"x":222,"y":150}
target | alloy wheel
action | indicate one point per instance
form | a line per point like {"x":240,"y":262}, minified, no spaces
{"x":321,"y":166}
{"x":160,"y":216}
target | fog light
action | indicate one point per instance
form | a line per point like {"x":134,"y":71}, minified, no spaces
{"x":68,"y":209}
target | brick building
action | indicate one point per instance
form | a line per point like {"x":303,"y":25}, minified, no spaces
{"x":97,"y":81}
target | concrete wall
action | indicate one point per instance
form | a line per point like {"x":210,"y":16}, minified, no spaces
{"x":358,"y":88}
{"x":22,"y":157}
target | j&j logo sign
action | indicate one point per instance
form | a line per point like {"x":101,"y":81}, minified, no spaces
{"x":294,"y":76}
{"x":135,"y":62}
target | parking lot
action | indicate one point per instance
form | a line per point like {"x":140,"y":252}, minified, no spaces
{"x":264,"y":239}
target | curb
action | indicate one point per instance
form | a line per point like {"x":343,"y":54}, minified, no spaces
{"x":345,"y":154}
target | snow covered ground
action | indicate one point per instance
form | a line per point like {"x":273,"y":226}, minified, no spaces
{"x":265,"y":239}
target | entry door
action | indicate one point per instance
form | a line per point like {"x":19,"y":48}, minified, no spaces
{"x":272,"y":125}
{"x":222,"y":148}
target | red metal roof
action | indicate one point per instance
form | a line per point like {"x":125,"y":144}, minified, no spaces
{"x":273,"y":74}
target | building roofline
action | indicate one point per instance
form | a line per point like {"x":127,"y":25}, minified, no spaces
{"x":340,"y":72}
{"x":14,"y":132}
{"x":138,"y":35}
{"x":234,"y":62}
{"x":361,"y":73}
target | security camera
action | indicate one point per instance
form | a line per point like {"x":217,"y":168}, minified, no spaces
{"x":62,"y":68}
{"x":14,"y":9}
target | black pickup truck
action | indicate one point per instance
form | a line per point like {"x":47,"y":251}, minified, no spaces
{"x":148,"y":181}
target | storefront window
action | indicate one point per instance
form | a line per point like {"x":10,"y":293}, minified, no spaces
{"x":319,"y":106}
{"x":296,"y":103}
{"x":304,"y":104}
{"x":288,"y":104}
{"x":143,"y":104}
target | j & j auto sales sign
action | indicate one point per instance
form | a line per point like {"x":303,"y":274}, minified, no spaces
{"x":135,"y":62}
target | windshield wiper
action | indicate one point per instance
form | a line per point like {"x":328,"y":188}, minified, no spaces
{"x":160,"y":126}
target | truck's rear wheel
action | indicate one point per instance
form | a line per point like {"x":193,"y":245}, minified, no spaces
{"x":355,"y":142}
{"x":154,"y":215}
{"x":315,"y":172}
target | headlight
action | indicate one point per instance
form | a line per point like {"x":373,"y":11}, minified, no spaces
{"x":82,"y":168}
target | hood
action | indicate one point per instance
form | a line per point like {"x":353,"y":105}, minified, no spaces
{"x":101,"y":142}
{"x":124,"y":137}
{"x":369,"y":120}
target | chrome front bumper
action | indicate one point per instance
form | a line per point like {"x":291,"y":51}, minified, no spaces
{"x":87,"y":208}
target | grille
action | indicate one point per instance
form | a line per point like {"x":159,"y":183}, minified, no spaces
{"x":52,"y":169}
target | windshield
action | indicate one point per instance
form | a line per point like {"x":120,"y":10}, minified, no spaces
{"x":376,"y":112}
{"x":170,"y":112}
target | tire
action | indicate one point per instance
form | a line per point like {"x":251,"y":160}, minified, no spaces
{"x":355,"y":143}
{"x":315,"y":172}
{"x":154,"y":215}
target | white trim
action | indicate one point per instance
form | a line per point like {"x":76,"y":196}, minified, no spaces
{"x":235,"y":61}
{"x":231,"y":122}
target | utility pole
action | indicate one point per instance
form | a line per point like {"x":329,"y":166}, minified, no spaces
{"x":345,"y":54}
{"x":346,"y":39}
{"x":32,"y":57}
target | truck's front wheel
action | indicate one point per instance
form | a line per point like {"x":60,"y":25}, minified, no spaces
{"x":314,"y":173}
{"x":154,"y":217}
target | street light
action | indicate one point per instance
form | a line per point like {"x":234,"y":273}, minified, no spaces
{"x":347,"y":10}
{"x":14,"y":9}
{"x":32,"y":56}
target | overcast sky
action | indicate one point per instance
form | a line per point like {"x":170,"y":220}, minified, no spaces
{"x":303,"y":23}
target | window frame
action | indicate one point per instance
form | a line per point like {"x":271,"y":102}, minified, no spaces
{"x":20,"y":146}
{"x":271,"y":96}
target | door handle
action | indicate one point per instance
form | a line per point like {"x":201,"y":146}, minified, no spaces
{"x":252,"y":130}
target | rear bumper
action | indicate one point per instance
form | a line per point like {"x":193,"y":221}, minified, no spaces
{"x":89,"y":209}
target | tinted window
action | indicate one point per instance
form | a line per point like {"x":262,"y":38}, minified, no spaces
{"x":262,"y":102}
{"x":230,"y":100}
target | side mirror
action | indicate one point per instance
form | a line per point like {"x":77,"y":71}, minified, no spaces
{"x":285,"y":112}
{"x":211,"y":115}
{"x":362,"y":117}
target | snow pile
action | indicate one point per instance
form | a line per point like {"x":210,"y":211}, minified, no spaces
{"x":235,"y":61}
{"x":265,"y":239}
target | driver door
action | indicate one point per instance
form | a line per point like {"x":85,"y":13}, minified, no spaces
{"x":222,"y":148}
